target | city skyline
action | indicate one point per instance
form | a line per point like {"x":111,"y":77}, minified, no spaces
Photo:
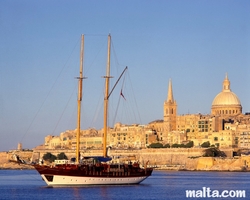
{"x":192,"y":43}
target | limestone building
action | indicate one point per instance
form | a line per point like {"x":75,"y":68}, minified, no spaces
{"x":129,"y":136}
{"x":166,"y":129}
{"x":226,"y":103}
{"x":225,"y":127}
{"x":170,"y":110}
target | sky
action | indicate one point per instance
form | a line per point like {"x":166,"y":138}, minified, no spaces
{"x":194,"y":43}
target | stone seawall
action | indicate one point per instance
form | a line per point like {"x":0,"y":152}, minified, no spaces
{"x":172,"y":159}
{"x":241,"y":163}
{"x":154,"y":156}
{"x":160,"y":158}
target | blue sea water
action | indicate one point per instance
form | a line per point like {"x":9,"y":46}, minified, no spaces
{"x":28,"y":185}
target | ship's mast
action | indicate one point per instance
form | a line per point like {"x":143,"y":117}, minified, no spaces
{"x":107,"y":77}
{"x":80,"y":78}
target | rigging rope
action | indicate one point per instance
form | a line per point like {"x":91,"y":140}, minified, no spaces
{"x":50,"y":91}
{"x":64,"y":109}
{"x":116,"y":111}
{"x":135,"y":101}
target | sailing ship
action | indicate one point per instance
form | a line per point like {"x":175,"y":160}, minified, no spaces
{"x":93,"y":170}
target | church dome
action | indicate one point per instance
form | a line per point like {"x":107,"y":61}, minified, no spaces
{"x":226,"y":102}
{"x":226,"y":98}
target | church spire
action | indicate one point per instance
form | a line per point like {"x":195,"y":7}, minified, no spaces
{"x":170,"y":110}
{"x":170,"y":92}
{"x":226,"y":84}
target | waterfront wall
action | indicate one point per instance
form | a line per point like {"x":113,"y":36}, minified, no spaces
{"x":224,"y":164}
{"x":169,"y":158}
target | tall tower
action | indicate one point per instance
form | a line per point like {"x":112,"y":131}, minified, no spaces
{"x":170,"y":110}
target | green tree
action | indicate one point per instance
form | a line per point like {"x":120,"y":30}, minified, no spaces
{"x":205,"y":144}
{"x":182,"y":145}
{"x":190,"y":144}
{"x":213,"y":152}
{"x":49,"y":157}
{"x":156,"y":145}
{"x":175,"y":145}
{"x":166,"y":146}
{"x":62,"y":156}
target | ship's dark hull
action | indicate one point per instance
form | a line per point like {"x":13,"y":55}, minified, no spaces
{"x":71,"y":174}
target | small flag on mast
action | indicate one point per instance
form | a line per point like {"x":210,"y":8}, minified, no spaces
{"x":122,"y":94}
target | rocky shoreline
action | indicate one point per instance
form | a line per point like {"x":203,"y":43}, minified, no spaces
{"x":7,"y":165}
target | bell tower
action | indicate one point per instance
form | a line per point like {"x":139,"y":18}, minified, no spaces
{"x":170,"y":110}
